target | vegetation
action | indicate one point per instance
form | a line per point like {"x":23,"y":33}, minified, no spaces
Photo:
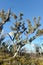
{"x":11,"y":55}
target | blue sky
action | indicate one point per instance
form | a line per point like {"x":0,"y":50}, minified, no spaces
{"x":30,"y":8}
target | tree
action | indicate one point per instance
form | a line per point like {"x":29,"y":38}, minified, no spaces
{"x":18,"y":30}
{"x":37,"y":49}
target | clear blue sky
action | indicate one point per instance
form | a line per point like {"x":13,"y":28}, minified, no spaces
{"x":30,"y":8}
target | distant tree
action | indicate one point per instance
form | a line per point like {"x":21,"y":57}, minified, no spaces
{"x":37,"y":49}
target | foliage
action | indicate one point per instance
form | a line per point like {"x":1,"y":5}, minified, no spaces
{"x":9,"y":55}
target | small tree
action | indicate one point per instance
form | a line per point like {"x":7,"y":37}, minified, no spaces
{"x":19,"y":30}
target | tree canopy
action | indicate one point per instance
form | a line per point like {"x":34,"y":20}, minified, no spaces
{"x":18,"y":30}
